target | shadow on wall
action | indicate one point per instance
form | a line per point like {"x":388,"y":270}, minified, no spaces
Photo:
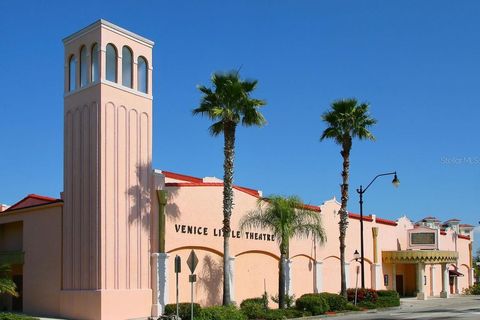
{"x":172,"y":211}
{"x":140,"y":195}
{"x":211,"y":280}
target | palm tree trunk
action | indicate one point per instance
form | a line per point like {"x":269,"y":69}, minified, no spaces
{"x":282,"y":276}
{"x":281,"y":282}
{"x":229,"y":153}
{"x":344,"y":213}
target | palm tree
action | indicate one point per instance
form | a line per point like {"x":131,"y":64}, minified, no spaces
{"x":228,"y":105}
{"x":346,"y":120}
{"x":285,"y":218}
{"x":6,"y":283}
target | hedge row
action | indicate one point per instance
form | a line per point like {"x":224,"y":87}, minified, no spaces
{"x":306,"y":305}
{"x":15,"y":316}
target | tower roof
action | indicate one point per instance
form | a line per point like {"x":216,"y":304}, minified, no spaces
{"x":109,"y":25}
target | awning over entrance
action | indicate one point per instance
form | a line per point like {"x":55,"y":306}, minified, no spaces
{"x":454,"y":273}
{"x":419,"y":256}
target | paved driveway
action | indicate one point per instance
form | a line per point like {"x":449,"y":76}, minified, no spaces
{"x":458,"y":307}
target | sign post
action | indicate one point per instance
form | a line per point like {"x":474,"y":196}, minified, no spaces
{"x":178,"y":269}
{"x":192,"y":262}
{"x":356,"y":283}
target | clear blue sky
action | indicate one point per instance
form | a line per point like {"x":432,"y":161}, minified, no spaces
{"x":416,"y":62}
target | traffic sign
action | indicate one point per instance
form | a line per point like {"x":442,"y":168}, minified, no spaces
{"x":192,"y":261}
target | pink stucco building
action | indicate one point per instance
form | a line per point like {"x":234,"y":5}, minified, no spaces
{"x":105,"y":249}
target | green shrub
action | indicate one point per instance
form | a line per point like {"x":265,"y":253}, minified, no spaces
{"x":15,"y":316}
{"x":263,"y":301}
{"x":289,"y":300}
{"x":184,"y":309}
{"x":335,"y":302}
{"x":351,"y":307}
{"x":387,"y":298}
{"x":253,"y":310}
{"x":472,"y":290}
{"x":367,"y":305}
{"x":280,"y":314}
{"x":312,"y":302}
{"x":221,"y":313}
{"x":367,"y":295}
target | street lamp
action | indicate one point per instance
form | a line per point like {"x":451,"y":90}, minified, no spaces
{"x":356,"y":255}
{"x":361,"y":191}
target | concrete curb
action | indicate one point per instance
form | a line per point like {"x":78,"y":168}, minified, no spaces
{"x":345,"y":313}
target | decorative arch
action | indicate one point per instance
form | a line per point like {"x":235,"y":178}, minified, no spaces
{"x":365,"y":259}
{"x":334,"y":257}
{"x":259,"y":252}
{"x":127,"y":67}
{"x":111,"y":63}
{"x":142,"y":74}
{"x":197,"y":248}
{"x":303,"y":255}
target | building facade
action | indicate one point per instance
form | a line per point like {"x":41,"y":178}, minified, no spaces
{"x":106,"y":248}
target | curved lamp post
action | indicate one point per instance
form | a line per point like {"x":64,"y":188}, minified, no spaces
{"x":361,"y":191}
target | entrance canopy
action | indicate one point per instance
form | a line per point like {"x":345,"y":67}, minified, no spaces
{"x":419,"y":256}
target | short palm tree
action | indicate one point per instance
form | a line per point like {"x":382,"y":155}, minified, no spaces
{"x":228,"y":105}
{"x":346,"y":120}
{"x":285,"y":218}
{"x":6,"y":283}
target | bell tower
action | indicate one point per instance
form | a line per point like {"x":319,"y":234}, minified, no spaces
{"x":107,"y":174}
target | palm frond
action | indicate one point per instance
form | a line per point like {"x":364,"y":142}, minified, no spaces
{"x":229,"y":100}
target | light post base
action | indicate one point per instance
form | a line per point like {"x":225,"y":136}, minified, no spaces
{"x":444,"y":294}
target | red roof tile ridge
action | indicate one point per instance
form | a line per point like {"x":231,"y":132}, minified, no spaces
{"x":352,"y":215}
{"x":179,"y":176}
{"x":249,"y":191}
{"x":385,"y":221}
{"x":461,"y":236}
{"x":34,"y":196}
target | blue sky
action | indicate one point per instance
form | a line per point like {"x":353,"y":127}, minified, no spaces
{"x":416,"y":62}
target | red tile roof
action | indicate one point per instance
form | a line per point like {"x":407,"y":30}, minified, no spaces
{"x":32,"y":200}
{"x":386,"y":221}
{"x":452,"y":220}
{"x":466,"y":225}
{"x":461,"y":236}
{"x":183,"y":177}
{"x":357,"y":217}
{"x":430,"y":218}
{"x":198,"y":182}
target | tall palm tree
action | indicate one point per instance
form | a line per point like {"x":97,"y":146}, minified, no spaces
{"x":229,"y":104}
{"x":6,"y":283}
{"x":346,"y":120}
{"x":286,"y":218}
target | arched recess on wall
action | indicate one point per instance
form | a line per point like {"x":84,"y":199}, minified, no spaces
{"x":197,"y":248}
{"x":127,"y":67}
{"x":83,"y":67}
{"x":72,"y":73}
{"x":111,"y":63}
{"x":142,"y":74}
{"x":331,"y":257}
{"x":259,"y":252}
{"x":94,"y":71}
{"x":365,"y":259}
{"x":302,"y":255}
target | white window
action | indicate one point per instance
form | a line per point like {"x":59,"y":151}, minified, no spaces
{"x":83,"y":67}
{"x":72,"y":74}
{"x":95,"y":74}
{"x":111,"y":67}
{"x":127,"y":64}
{"x":142,"y":75}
